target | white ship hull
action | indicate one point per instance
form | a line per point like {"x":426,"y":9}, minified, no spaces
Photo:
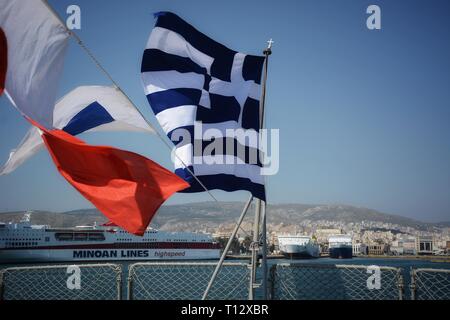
{"x":67,"y":255}
{"x":298,"y":247}
{"x":24,"y":242}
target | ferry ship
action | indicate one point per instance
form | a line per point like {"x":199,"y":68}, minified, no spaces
{"x":340,"y":246}
{"x":295,"y":246}
{"x":24,"y":242}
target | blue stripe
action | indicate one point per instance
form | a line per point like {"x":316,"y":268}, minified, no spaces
{"x":223,"y":182}
{"x":222,"y":109}
{"x":177,"y":135}
{"x":223,"y":56}
{"x":245,"y":152}
{"x":185,"y":135}
{"x":250,"y":114}
{"x":207,"y":82}
{"x":162,"y":100}
{"x":157,"y":60}
{"x":252,"y":68}
{"x":90,"y":117}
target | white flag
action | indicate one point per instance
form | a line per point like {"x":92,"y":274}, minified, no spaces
{"x":36,"y":44}
{"x":85,"y":109}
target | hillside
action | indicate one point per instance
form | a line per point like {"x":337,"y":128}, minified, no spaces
{"x":209,"y":216}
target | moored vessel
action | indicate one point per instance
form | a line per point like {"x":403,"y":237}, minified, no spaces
{"x":340,"y":246}
{"x":298,"y":247}
{"x":24,"y":242}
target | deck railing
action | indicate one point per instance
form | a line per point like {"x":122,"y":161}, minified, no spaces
{"x":430,"y":284}
{"x":335,"y":282}
{"x":62,"y":282}
{"x":188,"y":281}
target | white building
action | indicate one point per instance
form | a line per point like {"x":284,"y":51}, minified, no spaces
{"x":356,"y":248}
{"x":424,"y":245}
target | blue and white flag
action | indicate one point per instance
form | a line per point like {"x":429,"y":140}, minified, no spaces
{"x":85,"y":109}
{"x":205,"y":97}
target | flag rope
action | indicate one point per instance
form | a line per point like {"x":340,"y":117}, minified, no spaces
{"x":108,"y":75}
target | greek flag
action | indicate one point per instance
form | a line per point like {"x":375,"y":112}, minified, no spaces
{"x":206,"y":98}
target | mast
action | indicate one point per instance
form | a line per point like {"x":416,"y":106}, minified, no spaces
{"x":227,"y":247}
{"x":260,"y":205}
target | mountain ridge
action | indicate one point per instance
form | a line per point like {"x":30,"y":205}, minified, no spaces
{"x":210,"y":215}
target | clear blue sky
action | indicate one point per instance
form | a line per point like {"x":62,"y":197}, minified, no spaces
{"x":364,"y":116}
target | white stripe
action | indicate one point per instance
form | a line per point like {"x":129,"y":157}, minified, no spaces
{"x":236,"y":69}
{"x":157,"y":81}
{"x":240,"y":169}
{"x":184,"y":156}
{"x":111,"y":99}
{"x":29,"y":146}
{"x":255,"y":91}
{"x":205,"y":100}
{"x":239,"y":90}
{"x":117,"y":126}
{"x":231,"y":129}
{"x":173,"y":118}
{"x":173,"y":43}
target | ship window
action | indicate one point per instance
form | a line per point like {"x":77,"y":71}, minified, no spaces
{"x":96,"y":237}
{"x":64,"y":236}
{"x":80,"y":237}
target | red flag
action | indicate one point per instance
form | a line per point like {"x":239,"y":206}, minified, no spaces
{"x":3,"y":60}
{"x":126,"y":187}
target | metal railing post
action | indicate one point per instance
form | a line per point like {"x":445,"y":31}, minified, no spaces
{"x":400,"y":284}
{"x":2,"y":272}
{"x":118,"y":270}
{"x":130,"y":282}
{"x":272,"y":281}
{"x":413,"y":284}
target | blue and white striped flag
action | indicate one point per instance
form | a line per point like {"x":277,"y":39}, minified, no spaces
{"x":84,"y":109}
{"x":198,"y":86}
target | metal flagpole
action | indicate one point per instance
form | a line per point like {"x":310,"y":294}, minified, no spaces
{"x":264,"y":252}
{"x":255,"y":249}
{"x":227,"y":247}
{"x":267,"y":53}
{"x":106,"y":73}
{"x":260,"y":205}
